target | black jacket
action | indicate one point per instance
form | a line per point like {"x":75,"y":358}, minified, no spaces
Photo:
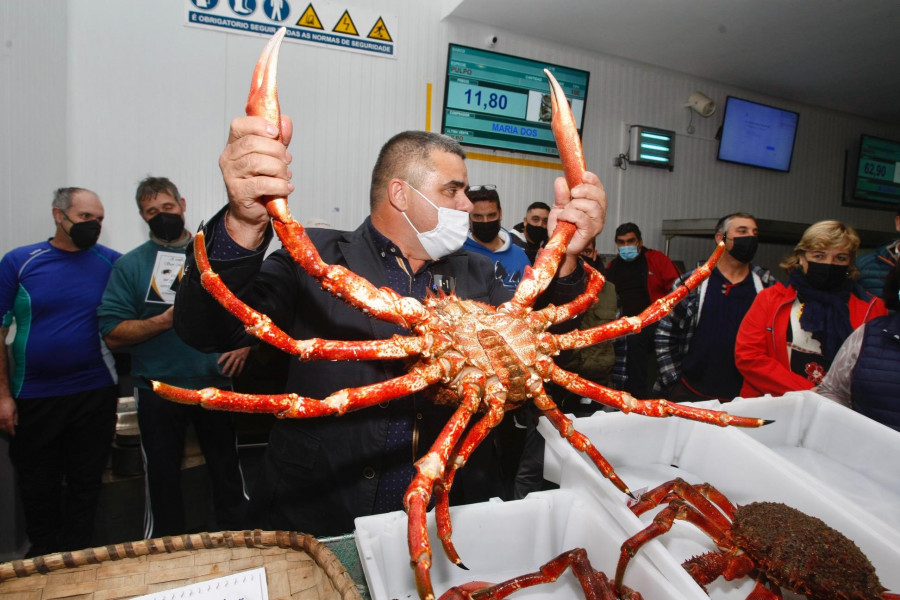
{"x":322,"y":473}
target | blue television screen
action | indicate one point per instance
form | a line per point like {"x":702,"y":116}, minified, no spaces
{"x":499,"y":101}
{"x":757,"y":135}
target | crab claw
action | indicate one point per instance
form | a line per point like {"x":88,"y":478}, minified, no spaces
{"x":263,"y":99}
{"x":565,"y":132}
{"x":263,"y":102}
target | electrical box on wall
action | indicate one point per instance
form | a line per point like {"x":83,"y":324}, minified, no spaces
{"x":652,"y":147}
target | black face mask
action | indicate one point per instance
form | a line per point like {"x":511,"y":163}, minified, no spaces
{"x":167,"y":226}
{"x":536,"y":234}
{"x":84,"y":234}
{"x":485,"y":231}
{"x":823,"y":276}
{"x":744,"y":248}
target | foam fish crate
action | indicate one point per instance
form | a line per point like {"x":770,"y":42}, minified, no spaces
{"x":647,"y":451}
{"x":834,"y":445}
{"x":500,"y":540}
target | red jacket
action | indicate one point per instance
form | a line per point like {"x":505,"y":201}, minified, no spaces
{"x":760,"y":352}
{"x":661,"y":273}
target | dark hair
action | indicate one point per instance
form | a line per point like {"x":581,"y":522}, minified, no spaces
{"x":407,"y":155}
{"x":150,"y":187}
{"x":724,"y":222}
{"x":891,"y":287}
{"x":535,"y":205}
{"x":626,"y":228}
{"x":484,"y":195}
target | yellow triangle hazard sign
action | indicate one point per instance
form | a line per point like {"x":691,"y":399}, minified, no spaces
{"x":380,"y":32}
{"x":309,"y":18}
{"x":345,"y":25}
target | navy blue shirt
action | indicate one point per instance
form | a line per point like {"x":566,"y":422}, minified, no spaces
{"x":708,"y":368}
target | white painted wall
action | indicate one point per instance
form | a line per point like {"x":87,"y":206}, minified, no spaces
{"x":101,"y":93}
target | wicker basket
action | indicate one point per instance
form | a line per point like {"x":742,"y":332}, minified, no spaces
{"x":298,"y":567}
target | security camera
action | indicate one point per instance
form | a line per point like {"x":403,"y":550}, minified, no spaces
{"x":491,"y":41}
{"x":701,"y":104}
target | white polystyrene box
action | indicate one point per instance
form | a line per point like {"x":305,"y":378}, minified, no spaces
{"x":500,"y":540}
{"x":838,"y":447}
{"x":648,"y":451}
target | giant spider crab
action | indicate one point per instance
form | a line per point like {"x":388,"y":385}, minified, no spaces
{"x":473,"y":356}
{"x":778,"y":545}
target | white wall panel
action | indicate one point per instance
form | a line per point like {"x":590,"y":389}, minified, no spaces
{"x":136,"y":93}
{"x":33,"y":87}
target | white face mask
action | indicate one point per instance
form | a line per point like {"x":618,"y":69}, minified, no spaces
{"x":450,"y":233}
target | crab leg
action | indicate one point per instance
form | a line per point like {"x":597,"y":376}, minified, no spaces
{"x":429,"y":470}
{"x":650,"y":408}
{"x":565,"y":132}
{"x":497,"y":395}
{"x":595,"y":584}
{"x":558,"y":314}
{"x":578,"y":440}
{"x":738,"y":564}
{"x":261,"y":326}
{"x":581,"y":338}
{"x":340,"y":281}
{"x":296,"y":406}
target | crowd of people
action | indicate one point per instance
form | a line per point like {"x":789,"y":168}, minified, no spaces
{"x":742,"y":332}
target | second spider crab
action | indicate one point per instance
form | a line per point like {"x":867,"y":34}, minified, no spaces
{"x":480,"y":359}
{"x":777,"y":545}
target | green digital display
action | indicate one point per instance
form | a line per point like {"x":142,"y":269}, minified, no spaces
{"x":499,"y":101}
{"x":878,"y":171}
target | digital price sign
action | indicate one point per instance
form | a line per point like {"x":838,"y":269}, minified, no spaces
{"x":499,"y":101}
{"x":878,"y":171}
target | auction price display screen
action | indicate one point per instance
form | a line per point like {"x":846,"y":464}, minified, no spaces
{"x":499,"y":101}
{"x":878,"y":177}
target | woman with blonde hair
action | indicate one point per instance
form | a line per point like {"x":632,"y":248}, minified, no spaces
{"x":791,"y":333}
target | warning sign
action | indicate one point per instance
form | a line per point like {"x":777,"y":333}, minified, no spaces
{"x":310,"y":19}
{"x":307,"y":23}
{"x":345,"y":25}
{"x":380,"y":31}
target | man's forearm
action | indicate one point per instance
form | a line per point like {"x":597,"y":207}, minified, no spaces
{"x":8,"y":413}
{"x":4,"y":365}
{"x":129,"y":333}
{"x":567,"y":265}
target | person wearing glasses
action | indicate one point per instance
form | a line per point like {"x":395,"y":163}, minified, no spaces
{"x":488,"y":237}
{"x":791,"y":334}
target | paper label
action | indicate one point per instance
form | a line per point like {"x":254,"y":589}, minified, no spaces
{"x":246,"y":585}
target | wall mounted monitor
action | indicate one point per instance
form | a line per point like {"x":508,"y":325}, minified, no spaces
{"x":498,"y":101}
{"x":757,"y":135}
{"x":874,"y":181}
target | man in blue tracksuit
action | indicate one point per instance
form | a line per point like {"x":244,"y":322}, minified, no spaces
{"x":59,"y":404}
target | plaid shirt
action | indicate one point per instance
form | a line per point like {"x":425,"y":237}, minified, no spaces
{"x":675,"y":330}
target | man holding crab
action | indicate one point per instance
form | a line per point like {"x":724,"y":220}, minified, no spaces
{"x":321,"y":473}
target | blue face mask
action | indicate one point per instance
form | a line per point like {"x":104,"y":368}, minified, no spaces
{"x":628,"y":252}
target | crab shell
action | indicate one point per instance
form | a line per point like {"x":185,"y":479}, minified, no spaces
{"x":803,"y":554}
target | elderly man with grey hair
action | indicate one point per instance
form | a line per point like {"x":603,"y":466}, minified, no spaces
{"x":59,"y":403}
